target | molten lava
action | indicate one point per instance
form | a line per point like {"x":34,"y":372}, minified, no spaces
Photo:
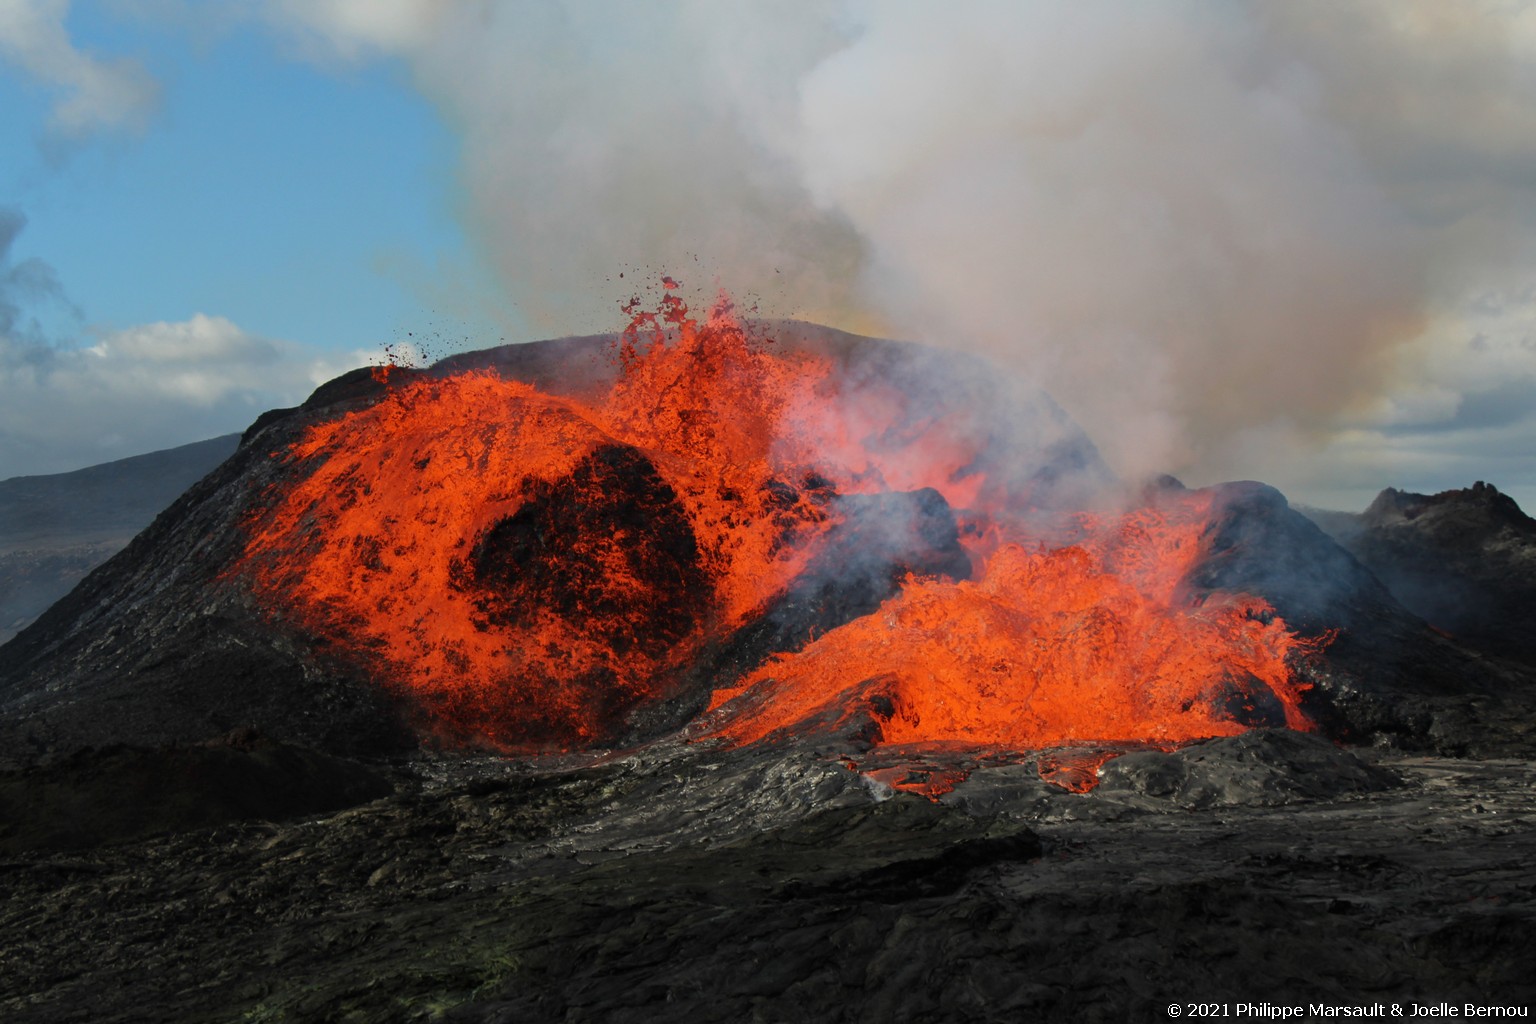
{"x":528,"y":569}
{"x":1083,"y":643}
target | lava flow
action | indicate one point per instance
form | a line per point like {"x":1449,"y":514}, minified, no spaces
{"x":531,"y":569}
{"x":1082,"y":643}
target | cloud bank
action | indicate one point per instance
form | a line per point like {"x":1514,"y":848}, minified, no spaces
{"x":71,"y":402}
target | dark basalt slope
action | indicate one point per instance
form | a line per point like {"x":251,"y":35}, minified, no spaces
{"x":55,"y":529}
{"x":1463,"y":560}
{"x":120,"y":793}
{"x":1386,"y":674}
{"x":153,"y":648}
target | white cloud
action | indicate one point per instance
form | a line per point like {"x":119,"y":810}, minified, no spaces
{"x":140,"y":389}
{"x":95,"y":93}
{"x":356,"y":29}
{"x":200,"y":341}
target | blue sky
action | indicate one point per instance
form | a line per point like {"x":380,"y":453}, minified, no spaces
{"x":293,"y":200}
{"x":1288,"y":242}
{"x":300,"y":201}
{"x":305,"y":204}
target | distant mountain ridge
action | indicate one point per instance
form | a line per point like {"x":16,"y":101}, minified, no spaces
{"x":54,"y":529}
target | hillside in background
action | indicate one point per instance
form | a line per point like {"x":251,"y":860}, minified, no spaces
{"x":1463,"y":560}
{"x":55,"y":529}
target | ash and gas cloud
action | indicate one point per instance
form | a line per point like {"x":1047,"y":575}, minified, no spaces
{"x":1228,"y":237}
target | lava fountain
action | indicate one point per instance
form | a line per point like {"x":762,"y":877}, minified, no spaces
{"x":531,"y":568}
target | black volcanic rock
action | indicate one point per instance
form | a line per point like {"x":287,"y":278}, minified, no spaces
{"x":1260,"y":545}
{"x":154,"y":648}
{"x":1463,"y":560}
{"x":1263,"y":767}
{"x":1258,"y":768}
{"x":120,"y":793}
{"x":543,"y":556}
{"x":1385,"y":674}
{"x":765,"y":885}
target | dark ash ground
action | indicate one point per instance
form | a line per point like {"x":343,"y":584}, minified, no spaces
{"x":777,"y":886}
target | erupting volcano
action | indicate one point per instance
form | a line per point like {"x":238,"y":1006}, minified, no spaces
{"x":713,"y":518}
{"x":614,"y":655}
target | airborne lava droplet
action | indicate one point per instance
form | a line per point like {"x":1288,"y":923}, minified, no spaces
{"x":528,"y":569}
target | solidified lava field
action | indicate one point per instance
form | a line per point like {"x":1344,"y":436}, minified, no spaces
{"x":730,"y":671}
{"x":773,"y":886}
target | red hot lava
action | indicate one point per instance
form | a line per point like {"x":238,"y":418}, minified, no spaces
{"x":1083,"y":643}
{"x":529,"y":568}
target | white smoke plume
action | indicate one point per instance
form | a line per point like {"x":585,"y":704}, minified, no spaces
{"x":1226,"y":236}
{"x":1211,"y":230}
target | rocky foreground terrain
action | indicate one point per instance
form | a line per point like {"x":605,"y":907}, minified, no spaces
{"x":779,"y":886}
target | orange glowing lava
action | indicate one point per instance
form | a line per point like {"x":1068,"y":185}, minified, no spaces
{"x":1083,"y":643}
{"x":1076,"y":771}
{"x":529,"y":568}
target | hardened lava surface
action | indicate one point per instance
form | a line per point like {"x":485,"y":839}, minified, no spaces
{"x":747,"y":885}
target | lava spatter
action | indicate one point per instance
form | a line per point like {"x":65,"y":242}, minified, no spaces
{"x":530,"y":569}
{"x":527,"y":568}
{"x":1050,"y":646}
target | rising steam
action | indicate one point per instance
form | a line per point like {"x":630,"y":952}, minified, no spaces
{"x":1199,"y":225}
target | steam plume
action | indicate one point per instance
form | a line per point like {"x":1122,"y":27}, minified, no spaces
{"x":1197,"y":224}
